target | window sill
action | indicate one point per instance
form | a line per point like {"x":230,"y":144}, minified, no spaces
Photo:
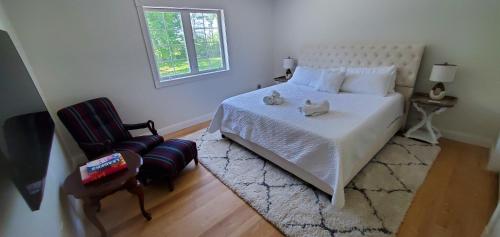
{"x":187,"y":79}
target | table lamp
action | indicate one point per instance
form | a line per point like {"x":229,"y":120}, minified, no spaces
{"x":441,"y":73}
{"x":288,"y":64}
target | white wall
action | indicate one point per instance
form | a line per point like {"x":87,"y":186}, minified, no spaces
{"x":57,"y":215}
{"x":54,"y":217}
{"x":86,"y":49}
{"x":462,"y":32}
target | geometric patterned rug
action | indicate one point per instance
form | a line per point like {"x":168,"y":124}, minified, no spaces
{"x":376,"y":199}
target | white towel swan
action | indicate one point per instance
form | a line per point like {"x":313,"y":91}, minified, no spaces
{"x":315,"y":109}
{"x":274,"y":99}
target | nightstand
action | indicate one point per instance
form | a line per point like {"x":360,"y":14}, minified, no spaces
{"x":428,"y":108}
{"x":279,"y":80}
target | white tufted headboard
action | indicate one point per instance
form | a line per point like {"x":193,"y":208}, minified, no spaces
{"x":406,"y":57}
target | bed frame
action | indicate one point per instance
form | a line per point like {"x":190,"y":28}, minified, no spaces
{"x":407,"y":59}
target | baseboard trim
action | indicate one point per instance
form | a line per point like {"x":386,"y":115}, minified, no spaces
{"x":467,"y":138}
{"x":185,"y":124}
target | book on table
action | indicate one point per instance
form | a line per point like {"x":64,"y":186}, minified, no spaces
{"x":102,"y":167}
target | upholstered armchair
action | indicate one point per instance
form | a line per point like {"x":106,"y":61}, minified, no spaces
{"x":99,"y":130}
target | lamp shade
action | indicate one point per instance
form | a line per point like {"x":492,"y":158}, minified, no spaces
{"x":443,"y":72}
{"x":288,"y":63}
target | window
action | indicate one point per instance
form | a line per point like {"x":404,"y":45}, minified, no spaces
{"x":183,"y":43}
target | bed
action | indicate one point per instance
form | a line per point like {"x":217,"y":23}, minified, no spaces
{"x":329,"y":150}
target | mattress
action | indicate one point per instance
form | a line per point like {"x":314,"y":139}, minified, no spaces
{"x":331,"y":148}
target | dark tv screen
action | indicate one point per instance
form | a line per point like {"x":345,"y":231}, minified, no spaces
{"x":26,"y":128}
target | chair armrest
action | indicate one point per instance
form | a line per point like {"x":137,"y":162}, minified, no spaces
{"x":93,"y":150}
{"x":149,"y":124}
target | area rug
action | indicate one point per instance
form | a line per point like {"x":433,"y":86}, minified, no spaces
{"x":376,"y":199}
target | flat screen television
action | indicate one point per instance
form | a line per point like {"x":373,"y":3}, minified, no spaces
{"x":26,"y":128}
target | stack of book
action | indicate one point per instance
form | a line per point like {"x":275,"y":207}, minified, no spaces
{"x":102,"y":167}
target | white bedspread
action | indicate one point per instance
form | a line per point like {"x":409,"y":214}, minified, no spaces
{"x":332,"y":147}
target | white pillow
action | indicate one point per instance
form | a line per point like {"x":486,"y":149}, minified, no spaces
{"x":305,"y":76}
{"x":375,"y":80}
{"x":331,"y":80}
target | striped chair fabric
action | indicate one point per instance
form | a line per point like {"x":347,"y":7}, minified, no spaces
{"x":140,"y":145}
{"x":94,"y":121}
{"x":172,"y":155}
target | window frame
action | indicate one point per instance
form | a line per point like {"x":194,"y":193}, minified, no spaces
{"x":192,"y":56}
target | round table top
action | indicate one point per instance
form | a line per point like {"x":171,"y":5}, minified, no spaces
{"x":73,"y":184}
{"x":422,"y":98}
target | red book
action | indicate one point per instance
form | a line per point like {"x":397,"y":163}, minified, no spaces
{"x":103,"y":162}
{"x":94,"y":176}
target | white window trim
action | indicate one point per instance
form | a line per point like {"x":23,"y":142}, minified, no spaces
{"x":195,"y":75}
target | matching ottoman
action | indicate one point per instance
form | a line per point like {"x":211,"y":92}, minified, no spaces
{"x":168,"y":159}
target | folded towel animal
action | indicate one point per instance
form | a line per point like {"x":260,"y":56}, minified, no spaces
{"x":315,"y":109}
{"x":274,"y":99}
{"x":276,"y":94}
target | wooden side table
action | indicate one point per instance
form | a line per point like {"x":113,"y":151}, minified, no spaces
{"x":92,"y":193}
{"x":424,"y":130}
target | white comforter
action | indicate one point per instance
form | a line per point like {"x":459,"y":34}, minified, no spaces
{"x":332,"y":147}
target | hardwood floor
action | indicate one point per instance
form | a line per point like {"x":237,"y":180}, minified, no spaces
{"x":187,"y":131}
{"x":456,"y":199}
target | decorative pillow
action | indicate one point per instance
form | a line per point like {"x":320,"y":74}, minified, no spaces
{"x":331,"y":80}
{"x":305,"y":76}
{"x":376,"y":80}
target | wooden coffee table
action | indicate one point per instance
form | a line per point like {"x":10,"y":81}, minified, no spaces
{"x":92,"y":193}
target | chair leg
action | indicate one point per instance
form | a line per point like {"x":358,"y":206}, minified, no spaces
{"x":170,"y":184}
